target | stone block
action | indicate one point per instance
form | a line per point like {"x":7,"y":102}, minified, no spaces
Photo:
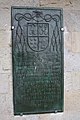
{"x":76,"y":42}
{"x":5,"y":61}
{"x":72,"y":81}
{"x":4,"y":83}
{"x":5,"y":52}
{"x":2,"y":104}
{"x":72,"y":101}
{"x":8,"y":3}
{"x":67,"y":40}
{"x":5,"y":19}
{"x":5,"y":39}
{"x":68,"y":81}
{"x":71,"y":61}
{"x":71,"y":20}
{"x":76,"y":80}
{"x":66,"y":4}
{"x":51,"y":3}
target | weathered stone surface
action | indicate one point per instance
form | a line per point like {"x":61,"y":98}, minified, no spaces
{"x":67,"y":40}
{"x":68,"y":85}
{"x":75,"y":80}
{"x":5,"y":61}
{"x":51,"y":3}
{"x":5,"y":19}
{"x":66,"y":4}
{"x":4,"y":86}
{"x":5,"y":107}
{"x":5,"y":4}
{"x":72,"y":81}
{"x":72,"y":100}
{"x":71,"y":61}
{"x":71,"y":20}
{"x":76,"y":42}
{"x":5,"y":52}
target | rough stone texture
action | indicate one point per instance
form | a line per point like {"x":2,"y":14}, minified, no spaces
{"x":71,"y":59}
{"x":76,"y":42}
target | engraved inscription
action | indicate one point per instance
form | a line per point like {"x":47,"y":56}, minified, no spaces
{"x":37,"y":61}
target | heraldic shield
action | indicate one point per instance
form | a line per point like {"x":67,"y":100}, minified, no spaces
{"x":38,"y":36}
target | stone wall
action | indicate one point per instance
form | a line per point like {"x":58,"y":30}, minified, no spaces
{"x":71,"y":9}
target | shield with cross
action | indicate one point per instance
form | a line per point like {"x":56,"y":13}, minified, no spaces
{"x":38,"y":36}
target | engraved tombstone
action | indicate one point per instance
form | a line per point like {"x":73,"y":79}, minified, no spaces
{"x":37,"y":57}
